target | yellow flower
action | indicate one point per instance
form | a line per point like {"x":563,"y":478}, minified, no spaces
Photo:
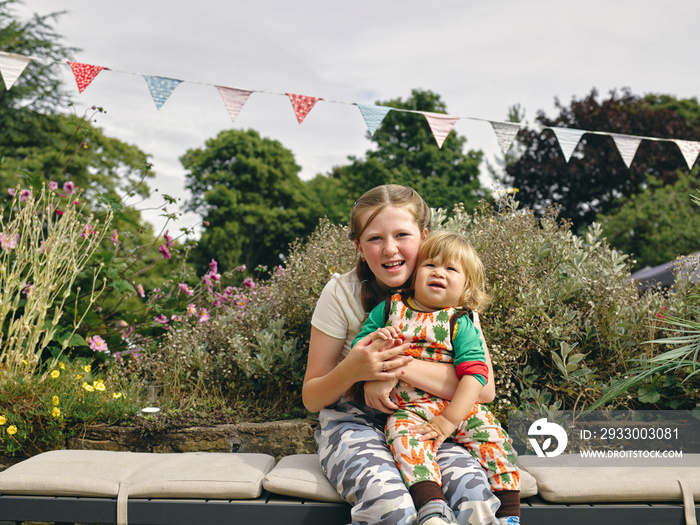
{"x":62,"y":366}
{"x":87,"y":386}
{"x":25,"y":362}
{"x":79,"y":376}
{"x":55,"y":374}
{"x":55,"y":401}
{"x":56,"y":412}
{"x":12,"y":430}
{"x":117,"y":395}
{"x":2,"y":420}
{"x":87,"y":368}
{"x":99,"y":385}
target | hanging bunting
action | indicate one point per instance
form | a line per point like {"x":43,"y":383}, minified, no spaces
{"x":11,"y":67}
{"x":373,"y":115}
{"x":568,"y":139}
{"x":690,"y":151}
{"x":84,"y":74}
{"x":505,"y":134}
{"x":234,"y":100}
{"x":302,"y":105}
{"x":161,"y":88}
{"x":441,"y":125}
{"x":627,"y":146}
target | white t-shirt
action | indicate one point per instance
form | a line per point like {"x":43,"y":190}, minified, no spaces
{"x":339,"y":312}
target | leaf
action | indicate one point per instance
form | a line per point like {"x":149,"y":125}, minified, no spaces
{"x":648,"y":394}
{"x":121,"y":286}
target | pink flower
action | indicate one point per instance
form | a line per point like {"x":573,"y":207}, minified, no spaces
{"x":115,"y":237}
{"x":248,"y":283}
{"x":27,"y":289}
{"x":59,"y":212}
{"x":11,"y":191}
{"x":8,"y":242}
{"x":213,"y":266}
{"x":241,"y":268}
{"x":53,"y":185}
{"x":161,"y":319}
{"x":97,"y":344}
{"x":176,"y":318}
{"x":164,"y":250}
{"x":168,"y":239}
{"x":206,"y":279}
{"x":24,"y":195}
{"x":86,"y":231}
{"x":140,"y":291}
{"x":191,"y":309}
{"x":186,"y":289}
{"x":69,"y":187}
{"x":203,"y":315}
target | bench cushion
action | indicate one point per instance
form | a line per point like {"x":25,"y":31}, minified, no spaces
{"x":96,"y":473}
{"x":566,"y":481}
{"x":300,"y":476}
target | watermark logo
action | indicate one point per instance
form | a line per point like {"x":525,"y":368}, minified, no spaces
{"x":542,"y":427}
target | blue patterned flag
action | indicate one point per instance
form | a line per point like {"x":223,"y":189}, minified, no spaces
{"x":161,"y":88}
{"x":373,"y":116}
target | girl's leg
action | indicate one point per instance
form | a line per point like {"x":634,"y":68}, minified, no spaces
{"x":356,"y":459}
{"x":465,"y":486}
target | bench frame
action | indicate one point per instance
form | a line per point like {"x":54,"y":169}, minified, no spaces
{"x":272,"y":508}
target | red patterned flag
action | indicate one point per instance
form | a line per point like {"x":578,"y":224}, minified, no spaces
{"x":302,"y":105}
{"x":441,"y":125}
{"x":84,"y":74}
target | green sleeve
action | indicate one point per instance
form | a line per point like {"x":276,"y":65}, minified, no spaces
{"x":470,"y":357}
{"x":374,"y":321}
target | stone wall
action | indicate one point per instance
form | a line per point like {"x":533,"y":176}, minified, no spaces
{"x":276,"y":438}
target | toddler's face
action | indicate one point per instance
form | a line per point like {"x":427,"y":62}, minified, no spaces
{"x":438,"y":284}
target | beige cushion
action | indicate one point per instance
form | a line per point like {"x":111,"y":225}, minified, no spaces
{"x":138,"y":475}
{"x":301,"y":476}
{"x":567,"y":481}
{"x":528,"y":484}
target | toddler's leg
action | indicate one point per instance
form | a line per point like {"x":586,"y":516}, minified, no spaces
{"x":489,"y":443}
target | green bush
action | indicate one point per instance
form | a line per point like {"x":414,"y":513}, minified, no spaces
{"x":565,"y":326}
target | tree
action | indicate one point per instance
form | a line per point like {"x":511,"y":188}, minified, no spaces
{"x":406,"y":153}
{"x":247,"y":190}
{"x":658,"y":224}
{"x":596,"y":177}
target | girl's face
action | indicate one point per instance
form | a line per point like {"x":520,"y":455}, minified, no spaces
{"x":390,"y":245}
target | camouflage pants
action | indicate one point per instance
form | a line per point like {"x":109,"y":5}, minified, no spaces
{"x":480,"y":433}
{"x":355,"y":457}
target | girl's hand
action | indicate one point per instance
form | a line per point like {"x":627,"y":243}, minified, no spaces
{"x":439,"y":428}
{"x":377,"y":395}
{"x":377,"y":360}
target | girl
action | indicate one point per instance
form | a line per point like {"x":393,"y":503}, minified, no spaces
{"x":447,"y":283}
{"x":387,"y":224}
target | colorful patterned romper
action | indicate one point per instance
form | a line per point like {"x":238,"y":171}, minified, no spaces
{"x":480,"y":432}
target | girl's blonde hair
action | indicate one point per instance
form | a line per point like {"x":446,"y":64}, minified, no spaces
{"x":375,"y":201}
{"x":453,"y":247}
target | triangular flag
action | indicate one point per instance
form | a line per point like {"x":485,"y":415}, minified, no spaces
{"x":302,"y":105}
{"x":441,"y":125}
{"x":161,"y":88}
{"x":11,"y":67}
{"x":568,"y":139}
{"x":690,"y":151}
{"x":505,"y":134}
{"x":627,"y":146}
{"x":84,"y":74}
{"x":234,"y":99}
{"x":373,"y":115}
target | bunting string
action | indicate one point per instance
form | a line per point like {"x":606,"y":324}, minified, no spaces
{"x":13,"y":65}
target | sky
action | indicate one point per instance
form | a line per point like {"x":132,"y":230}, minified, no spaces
{"x":480,"y":57}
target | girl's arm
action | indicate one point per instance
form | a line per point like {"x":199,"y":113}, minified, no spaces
{"x":326,"y":380}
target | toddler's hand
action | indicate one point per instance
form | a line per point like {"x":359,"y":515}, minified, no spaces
{"x":439,"y":429}
{"x":387,"y":334}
